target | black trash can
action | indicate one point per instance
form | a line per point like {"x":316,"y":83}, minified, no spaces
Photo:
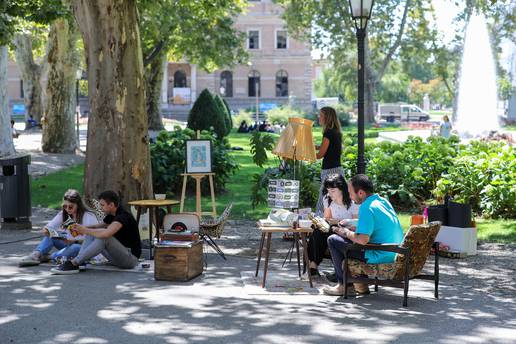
{"x":459,"y":215}
{"x":438,"y":212}
{"x":15,"y":199}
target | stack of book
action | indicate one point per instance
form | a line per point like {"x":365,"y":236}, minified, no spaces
{"x":179,"y":239}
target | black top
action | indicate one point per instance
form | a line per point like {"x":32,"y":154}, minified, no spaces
{"x":128,"y":235}
{"x":332,"y":157}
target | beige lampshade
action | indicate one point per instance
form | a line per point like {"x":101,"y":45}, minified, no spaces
{"x":296,"y":141}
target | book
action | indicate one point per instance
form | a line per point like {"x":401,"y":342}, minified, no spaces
{"x":65,"y":232}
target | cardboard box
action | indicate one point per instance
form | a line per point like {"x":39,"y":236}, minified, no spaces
{"x":178,"y":263}
{"x":462,"y":240}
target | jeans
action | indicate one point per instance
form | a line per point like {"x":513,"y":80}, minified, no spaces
{"x":111,"y":248}
{"x":337,"y":246}
{"x":67,"y":250}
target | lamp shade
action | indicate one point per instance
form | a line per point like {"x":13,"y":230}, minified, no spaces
{"x":296,"y":141}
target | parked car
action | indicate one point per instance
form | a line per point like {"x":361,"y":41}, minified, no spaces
{"x":402,"y":112}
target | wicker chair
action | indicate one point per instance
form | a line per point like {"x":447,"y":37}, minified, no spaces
{"x":213,"y":228}
{"x":94,"y":205}
{"x":410,"y":258}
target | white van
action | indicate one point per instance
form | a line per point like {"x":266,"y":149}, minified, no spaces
{"x":402,"y":112}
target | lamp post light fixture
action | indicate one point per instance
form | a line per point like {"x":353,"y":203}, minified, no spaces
{"x":360,"y":13}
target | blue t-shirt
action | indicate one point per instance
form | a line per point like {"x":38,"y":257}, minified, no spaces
{"x":377,"y":218}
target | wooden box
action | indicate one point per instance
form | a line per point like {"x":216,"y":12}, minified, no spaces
{"x":178,"y":263}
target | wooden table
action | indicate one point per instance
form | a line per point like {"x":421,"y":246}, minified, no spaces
{"x":267,"y":235}
{"x":153,"y":205}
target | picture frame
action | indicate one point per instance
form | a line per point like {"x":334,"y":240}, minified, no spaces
{"x":198,"y":156}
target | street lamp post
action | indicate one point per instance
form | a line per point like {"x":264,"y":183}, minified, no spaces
{"x":360,"y":13}
{"x":256,"y":92}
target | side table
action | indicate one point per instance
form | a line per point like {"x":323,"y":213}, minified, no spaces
{"x":267,"y":236}
{"x":153,"y":205}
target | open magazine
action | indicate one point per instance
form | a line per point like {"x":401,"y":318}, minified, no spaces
{"x":65,"y":231}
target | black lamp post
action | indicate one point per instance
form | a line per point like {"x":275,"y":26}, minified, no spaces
{"x":361,"y":12}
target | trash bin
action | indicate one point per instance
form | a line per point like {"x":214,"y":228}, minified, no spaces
{"x":15,"y":200}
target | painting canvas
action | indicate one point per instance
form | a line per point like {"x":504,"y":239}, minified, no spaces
{"x":198,"y":156}
{"x":283,"y":193}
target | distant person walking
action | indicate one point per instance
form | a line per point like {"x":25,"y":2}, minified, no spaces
{"x":445,"y":127}
{"x":330,"y":149}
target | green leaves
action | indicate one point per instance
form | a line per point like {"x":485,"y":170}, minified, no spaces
{"x":260,"y":144}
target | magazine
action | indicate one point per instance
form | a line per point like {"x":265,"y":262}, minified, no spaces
{"x":65,"y":231}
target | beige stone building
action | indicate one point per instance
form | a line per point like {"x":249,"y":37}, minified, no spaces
{"x":279,"y":71}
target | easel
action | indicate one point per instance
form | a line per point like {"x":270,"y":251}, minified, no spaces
{"x":198,"y":177}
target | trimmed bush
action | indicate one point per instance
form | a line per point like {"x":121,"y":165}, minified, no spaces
{"x":224,"y":113}
{"x":243,"y":115}
{"x":229,"y":123}
{"x":280,"y":115}
{"x":207,"y":114}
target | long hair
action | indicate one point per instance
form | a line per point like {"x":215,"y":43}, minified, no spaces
{"x":73,"y":196}
{"x":336,"y":181}
{"x":331,"y":120}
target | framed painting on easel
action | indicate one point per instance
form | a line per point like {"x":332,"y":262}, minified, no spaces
{"x":198,"y":156}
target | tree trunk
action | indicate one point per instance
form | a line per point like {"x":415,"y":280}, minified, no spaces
{"x":153,"y":78}
{"x":117,"y":156}
{"x":31,"y":76}
{"x":59,"y":134}
{"x":6,"y":137}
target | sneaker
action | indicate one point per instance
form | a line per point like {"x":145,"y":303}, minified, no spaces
{"x":67,"y":268}
{"x":30,"y":260}
{"x":338,"y":290}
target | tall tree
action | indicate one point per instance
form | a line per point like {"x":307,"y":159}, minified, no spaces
{"x":117,"y":156}
{"x":31,"y":73}
{"x":201,"y":32}
{"x":334,"y":30}
{"x":63,"y":61}
{"x":11,"y":13}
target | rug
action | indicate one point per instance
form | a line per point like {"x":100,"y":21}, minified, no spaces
{"x":281,"y":281}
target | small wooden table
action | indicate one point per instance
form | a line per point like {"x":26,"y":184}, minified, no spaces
{"x":153,"y":205}
{"x":267,"y":233}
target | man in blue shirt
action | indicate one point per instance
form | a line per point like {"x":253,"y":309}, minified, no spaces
{"x":377,"y":223}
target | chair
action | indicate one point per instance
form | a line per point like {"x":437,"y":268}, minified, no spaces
{"x":94,"y":205}
{"x":213,"y":228}
{"x":410,"y":258}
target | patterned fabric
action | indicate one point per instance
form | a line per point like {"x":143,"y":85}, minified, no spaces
{"x":215,"y":227}
{"x":419,"y":239}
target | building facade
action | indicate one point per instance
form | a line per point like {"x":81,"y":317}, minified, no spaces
{"x":279,"y":69}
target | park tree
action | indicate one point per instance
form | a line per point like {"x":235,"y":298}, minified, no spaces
{"x":117,"y":156}
{"x":395,"y":24}
{"x":201,"y":32}
{"x":12,"y":13}
{"x":63,"y":62}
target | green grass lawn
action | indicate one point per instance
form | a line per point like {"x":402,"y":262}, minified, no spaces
{"x":48,"y":190}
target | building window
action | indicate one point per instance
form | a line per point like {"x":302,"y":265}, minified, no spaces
{"x":180,"y":78}
{"x":281,"y":84}
{"x":254,"y":83}
{"x":226,"y":84}
{"x":253,"y":39}
{"x":281,"y":39}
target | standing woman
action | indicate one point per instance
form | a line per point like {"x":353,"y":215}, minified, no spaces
{"x":330,"y":149}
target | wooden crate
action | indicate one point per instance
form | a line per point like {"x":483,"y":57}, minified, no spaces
{"x":178,"y":263}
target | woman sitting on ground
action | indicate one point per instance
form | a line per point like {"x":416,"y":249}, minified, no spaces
{"x":337,"y":206}
{"x":74,"y":209}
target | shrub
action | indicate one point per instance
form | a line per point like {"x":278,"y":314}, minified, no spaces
{"x":483,"y":175}
{"x":223,"y":110}
{"x":168,"y":160}
{"x":229,"y":122}
{"x":206,"y":114}
{"x":342,"y":114}
{"x":280,"y":115}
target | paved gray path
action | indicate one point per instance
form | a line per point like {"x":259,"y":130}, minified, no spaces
{"x":477,"y":304}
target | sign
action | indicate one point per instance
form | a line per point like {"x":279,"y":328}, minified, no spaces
{"x":283,"y":193}
{"x":18,"y":109}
